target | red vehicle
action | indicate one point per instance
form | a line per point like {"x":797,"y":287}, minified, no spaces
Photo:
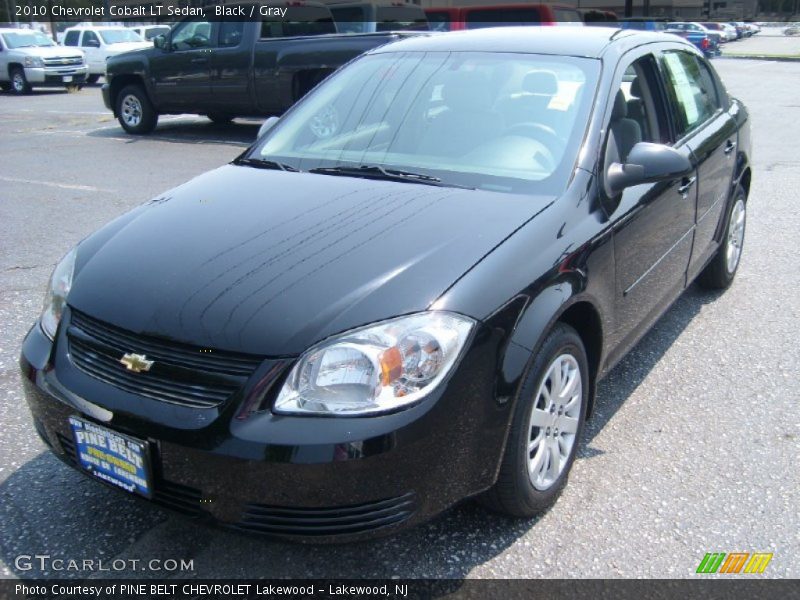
{"x":499,"y":15}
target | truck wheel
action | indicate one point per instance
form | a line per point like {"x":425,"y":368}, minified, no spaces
{"x":5,"y":86}
{"x":135,"y":112}
{"x":219,"y":118}
{"x":92,"y":79}
{"x":73,"y":87}
{"x":19,"y":83}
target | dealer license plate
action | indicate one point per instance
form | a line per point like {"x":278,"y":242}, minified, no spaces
{"x":67,"y":78}
{"x":115,"y":458}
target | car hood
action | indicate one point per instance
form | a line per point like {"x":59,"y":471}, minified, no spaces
{"x":52,"y":52}
{"x":270,"y":262}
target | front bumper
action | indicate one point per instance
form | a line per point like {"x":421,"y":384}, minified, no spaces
{"x":55,"y":76}
{"x":303,"y":478}
{"x":106,"y":91}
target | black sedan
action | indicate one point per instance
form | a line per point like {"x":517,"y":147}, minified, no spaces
{"x":403,"y":294}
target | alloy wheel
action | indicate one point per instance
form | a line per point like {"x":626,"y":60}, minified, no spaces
{"x":18,"y":81}
{"x":554,"y":421}
{"x":735,"y":241}
{"x":131,"y":110}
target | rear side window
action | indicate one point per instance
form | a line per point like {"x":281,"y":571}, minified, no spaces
{"x":349,"y":19}
{"x":71,"y":39}
{"x":439,"y":20}
{"x":300,"y":21}
{"x":400,"y":18}
{"x":692,"y":92}
{"x":230,"y":33}
{"x":499,"y":17}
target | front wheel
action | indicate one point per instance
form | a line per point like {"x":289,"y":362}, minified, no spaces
{"x":546,"y":428}
{"x":19,"y":83}
{"x":134,"y":111}
{"x":719,"y":273}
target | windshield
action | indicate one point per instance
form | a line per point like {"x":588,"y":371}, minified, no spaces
{"x":26,"y":39}
{"x":502,"y":122}
{"x":119,"y":36}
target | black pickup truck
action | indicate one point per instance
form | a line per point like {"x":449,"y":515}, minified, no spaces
{"x":221,"y":68}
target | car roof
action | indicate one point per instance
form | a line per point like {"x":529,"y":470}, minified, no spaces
{"x":590,"y":42}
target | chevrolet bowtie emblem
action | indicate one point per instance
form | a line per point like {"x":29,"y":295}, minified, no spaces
{"x":136,"y":362}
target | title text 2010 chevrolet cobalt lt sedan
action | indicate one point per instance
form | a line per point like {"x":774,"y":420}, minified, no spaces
{"x":403,"y":294}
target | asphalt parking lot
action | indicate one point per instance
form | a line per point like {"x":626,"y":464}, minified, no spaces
{"x":693,"y":448}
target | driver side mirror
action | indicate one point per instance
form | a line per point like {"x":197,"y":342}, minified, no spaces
{"x":647,"y":163}
{"x":266,"y":126}
{"x":160,"y":41}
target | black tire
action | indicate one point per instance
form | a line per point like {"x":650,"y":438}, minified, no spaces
{"x":19,"y":83}
{"x":92,"y":79}
{"x":127,"y":100}
{"x":73,"y":87}
{"x":718,"y":274}
{"x":514,"y":493}
{"x":5,"y":86}
{"x":219,"y":118}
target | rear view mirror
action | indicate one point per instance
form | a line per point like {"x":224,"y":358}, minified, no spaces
{"x":266,"y":126}
{"x":647,"y":163}
{"x":160,"y":41}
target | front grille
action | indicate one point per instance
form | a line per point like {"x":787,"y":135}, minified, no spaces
{"x":63,"y":62}
{"x":68,"y":448}
{"x":340,"y":520}
{"x":180,"y":374}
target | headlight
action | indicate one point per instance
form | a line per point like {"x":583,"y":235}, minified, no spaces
{"x":375,"y":369}
{"x":56,"y":297}
{"x":33,"y":61}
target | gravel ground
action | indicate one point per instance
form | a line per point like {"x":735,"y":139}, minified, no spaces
{"x":693,"y":448}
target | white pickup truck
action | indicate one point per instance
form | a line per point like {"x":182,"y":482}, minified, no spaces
{"x":100,"y":42}
{"x":31,"y":59}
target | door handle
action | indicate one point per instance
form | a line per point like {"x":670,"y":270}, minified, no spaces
{"x":729,"y":147}
{"x":686,"y":183}
{"x":199,"y":60}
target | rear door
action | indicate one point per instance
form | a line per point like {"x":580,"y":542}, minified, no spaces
{"x":181,"y":72}
{"x":231,"y":67}
{"x":704,"y":123}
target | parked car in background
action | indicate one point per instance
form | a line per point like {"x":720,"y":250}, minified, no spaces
{"x":227,"y":69}
{"x":100,"y":42}
{"x":727,"y":33}
{"x":717,"y":38}
{"x":445,"y":18}
{"x":404,"y":293}
{"x":148,"y":32}
{"x":642,"y":23}
{"x":752,"y":28}
{"x":698,"y":36}
{"x":369,"y":17}
{"x":503,"y":15}
{"x":31,"y":59}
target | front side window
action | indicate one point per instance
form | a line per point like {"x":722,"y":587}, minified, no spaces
{"x":694,"y":102}
{"x":400,"y":18}
{"x":90,"y":39}
{"x":299,"y":21}
{"x":191,"y":35}
{"x":503,"y":122}
{"x":230,"y":33}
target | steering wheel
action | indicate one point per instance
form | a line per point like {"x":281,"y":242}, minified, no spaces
{"x":541,"y":133}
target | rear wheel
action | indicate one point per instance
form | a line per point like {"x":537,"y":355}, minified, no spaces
{"x":92,"y":79}
{"x":135,"y":112}
{"x":219,"y":118}
{"x":19,"y":83}
{"x":720,"y":272}
{"x":546,"y":430}
{"x":5,"y":86}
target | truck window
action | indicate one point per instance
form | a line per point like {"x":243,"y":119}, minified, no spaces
{"x":190,"y":35}
{"x":400,"y":18}
{"x":230,"y":33}
{"x":300,"y":21}
{"x":90,"y":38}
{"x":71,"y":39}
{"x":498,"y":17}
{"x":694,"y":102}
{"x":349,"y":19}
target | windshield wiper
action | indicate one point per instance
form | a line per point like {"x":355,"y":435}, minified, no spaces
{"x":379,"y":172}
{"x":261,"y":163}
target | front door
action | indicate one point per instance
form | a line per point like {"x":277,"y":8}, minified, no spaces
{"x":654,"y":222}
{"x":181,"y":72}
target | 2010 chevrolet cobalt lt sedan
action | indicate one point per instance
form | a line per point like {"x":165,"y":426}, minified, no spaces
{"x":403,"y":294}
